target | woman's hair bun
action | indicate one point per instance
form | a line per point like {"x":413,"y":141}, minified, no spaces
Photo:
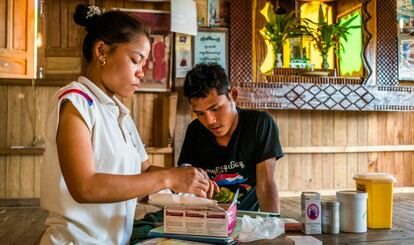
{"x":85,"y":14}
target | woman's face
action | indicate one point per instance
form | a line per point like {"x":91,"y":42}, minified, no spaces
{"x":122,"y":71}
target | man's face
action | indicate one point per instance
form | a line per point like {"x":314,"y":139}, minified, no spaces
{"x":216,"y":112}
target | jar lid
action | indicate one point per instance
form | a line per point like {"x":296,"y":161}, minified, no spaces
{"x":351,"y":194}
{"x":330,"y":203}
{"x":376,"y":177}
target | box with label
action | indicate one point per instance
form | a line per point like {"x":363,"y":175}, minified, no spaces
{"x":217,"y":221}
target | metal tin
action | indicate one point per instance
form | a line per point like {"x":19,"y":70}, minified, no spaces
{"x":330,"y":217}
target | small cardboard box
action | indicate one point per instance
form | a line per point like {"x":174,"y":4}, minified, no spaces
{"x":216,"y":221}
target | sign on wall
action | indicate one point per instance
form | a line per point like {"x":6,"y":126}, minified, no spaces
{"x":211,"y":46}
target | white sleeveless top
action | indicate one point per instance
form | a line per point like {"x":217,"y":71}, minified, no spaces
{"x":117,"y":149}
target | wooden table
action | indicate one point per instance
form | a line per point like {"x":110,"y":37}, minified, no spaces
{"x":23,"y":223}
{"x":401,"y":233}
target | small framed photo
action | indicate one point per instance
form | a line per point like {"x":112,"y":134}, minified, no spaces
{"x":211,"y":46}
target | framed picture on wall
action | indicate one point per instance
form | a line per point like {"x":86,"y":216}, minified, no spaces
{"x":211,"y":46}
{"x":183,"y":55}
{"x":405,"y":18}
{"x":157,"y":70}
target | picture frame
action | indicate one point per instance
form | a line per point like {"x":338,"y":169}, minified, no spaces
{"x":211,"y":46}
{"x":405,"y":20}
{"x":183,"y":54}
{"x":158,"y":68}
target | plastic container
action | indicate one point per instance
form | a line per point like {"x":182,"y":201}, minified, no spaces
{"x":379,"y":187}
{"x":330,"y":217}
{"x":352,"y":211}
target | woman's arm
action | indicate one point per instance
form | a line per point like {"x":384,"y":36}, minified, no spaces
{"x":86,"y":186}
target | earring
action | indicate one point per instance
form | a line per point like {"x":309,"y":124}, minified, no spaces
{"x":102,"y":59}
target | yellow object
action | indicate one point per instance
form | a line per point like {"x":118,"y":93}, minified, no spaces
{"x":379,"y":187}
{"x":269,"y":60}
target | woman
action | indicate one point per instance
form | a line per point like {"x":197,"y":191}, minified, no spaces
{"x":94,"y":157}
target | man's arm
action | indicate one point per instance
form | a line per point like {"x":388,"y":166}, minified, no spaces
{"x":266,"y":188}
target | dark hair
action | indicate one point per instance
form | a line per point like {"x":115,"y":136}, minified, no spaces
{"x":204,"y":77}
{"x":112,"y":27}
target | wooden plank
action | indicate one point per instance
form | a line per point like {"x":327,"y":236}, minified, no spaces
{"x":306,"y":139}
{"x":13,"y":177}
{"x":14,"y":106}
{"x":363,"y":134}
{"x":317,"y":140}
{"x":327,"y":139}
{"x":20,"y":24}
{"x":14,"y":121}
{"x":3,"y":117}
{"x":295,"y":173}
{"x":372,"y":140}
{"x":3,"y":174}
{"x":295,"y":137}
{"x":26,"y":180}
{"x":38,"y":162}
{"x":77,"y":33}
{"x":64,"y":32}
{"x":43,"y":100}
{"x":148,"y":106}
{"x":352,"y":140}
{"x":22,"y":151}
{"x":23,"y":219}
{"x":159,"y":150}
{"x":340,"y":139}
{"x":3,"y":22}
{"x":172,"y":116}
{"x":160,"y":131}
{"x":282,"y":167}
{"x":282,"y":173}
{"x":28,"y":116}
{"x":63,"y":65}
{"x":407,"y":156}
{"x":53,"y":24}
{"x":398,"y":156}
{"x":35,"y":229}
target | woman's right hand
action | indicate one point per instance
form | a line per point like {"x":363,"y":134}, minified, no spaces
{"x":189,"y":180}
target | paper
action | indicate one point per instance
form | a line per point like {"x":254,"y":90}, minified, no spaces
{"x":184,"y":17}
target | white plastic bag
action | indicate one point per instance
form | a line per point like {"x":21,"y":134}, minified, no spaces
{"x":260,"y":228}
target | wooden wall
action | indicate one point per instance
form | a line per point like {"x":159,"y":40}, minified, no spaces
{"x":327,"y":148}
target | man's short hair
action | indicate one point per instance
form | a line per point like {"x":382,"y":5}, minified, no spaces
{"x":203,"y":78}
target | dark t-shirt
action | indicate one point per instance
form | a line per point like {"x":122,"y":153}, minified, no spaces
{"x":255,"y":139}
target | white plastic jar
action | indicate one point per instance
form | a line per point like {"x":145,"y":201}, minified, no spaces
{"x":353,"y":211}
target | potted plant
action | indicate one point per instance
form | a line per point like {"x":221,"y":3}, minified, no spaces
{"x":280,"y":26}
{"x":327,"y":36}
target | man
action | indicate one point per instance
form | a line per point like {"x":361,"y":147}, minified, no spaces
{"x":238,"y":148}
